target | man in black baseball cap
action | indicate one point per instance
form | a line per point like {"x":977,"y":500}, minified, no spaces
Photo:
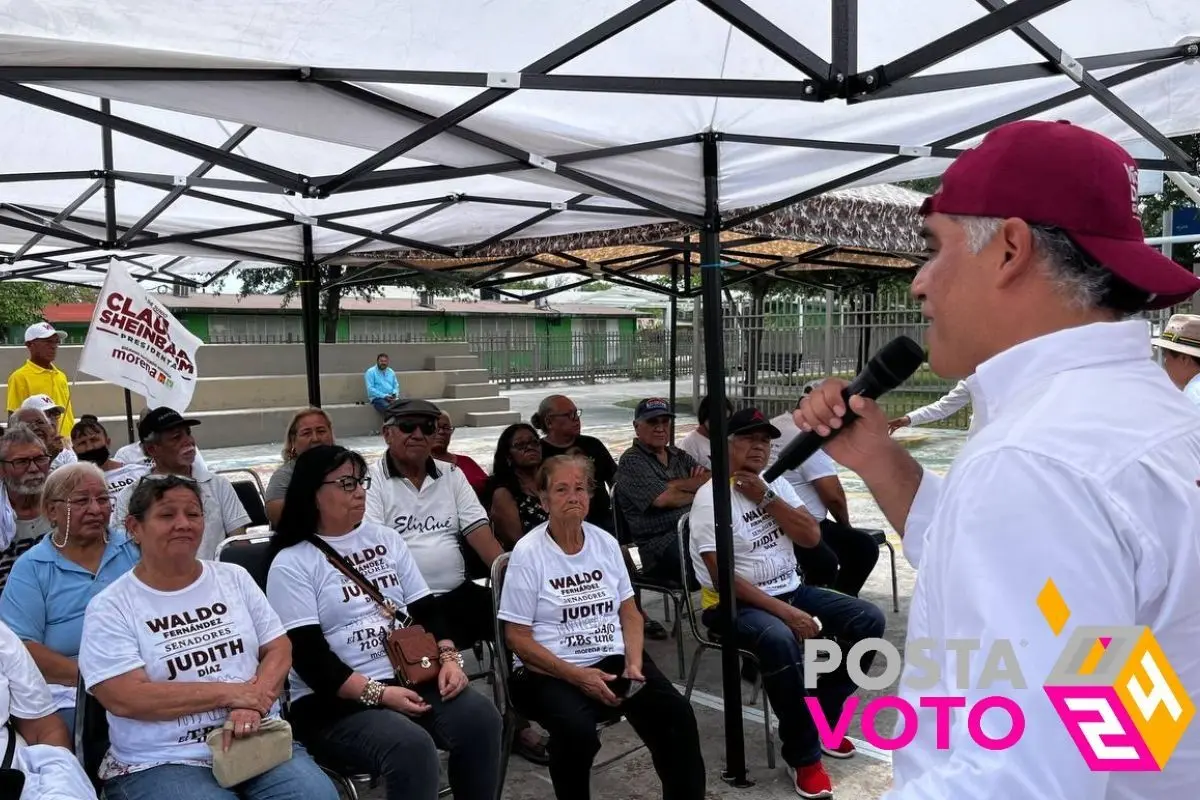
{"x":776,"y":609}
{"x":167,"y":440}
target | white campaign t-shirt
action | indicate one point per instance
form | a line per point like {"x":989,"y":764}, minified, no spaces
{"x":572,"y":603}
{"x":432,"y":520}
{"x":698,"y":447}
{"x":817,"y":466}
{"x":223,"y":510}
{"x":307,"y":590}
{"x":762,"y":553}
{"x":121,"y":478}
{"x":23,"y":691}
{"x":210,"y":631}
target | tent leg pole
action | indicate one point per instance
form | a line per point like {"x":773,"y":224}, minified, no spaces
{"x":129,"y":416}
{"x":671,"y":347}
{"x":310,"y":299}
{"x":710,"y":284}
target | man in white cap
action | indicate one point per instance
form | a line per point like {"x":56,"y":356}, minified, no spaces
{"x":42,"y":414}
{"x":1066,"y":529}
{"x":38,"y":375}
{"x":1180,"y":343}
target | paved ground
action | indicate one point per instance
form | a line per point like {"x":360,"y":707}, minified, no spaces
{"x":632,"y":776}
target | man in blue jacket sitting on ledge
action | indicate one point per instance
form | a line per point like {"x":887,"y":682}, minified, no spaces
{"x":382,"y":387}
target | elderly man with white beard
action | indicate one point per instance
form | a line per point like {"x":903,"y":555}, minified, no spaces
{"x":167,"y":438}
{"x":24,"y":466}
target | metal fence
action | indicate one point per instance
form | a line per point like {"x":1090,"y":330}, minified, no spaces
{"x":772,"y":348}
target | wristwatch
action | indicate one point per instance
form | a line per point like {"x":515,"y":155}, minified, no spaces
{"x":768,"y":498}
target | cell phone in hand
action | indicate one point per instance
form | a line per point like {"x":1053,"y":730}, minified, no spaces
{"x":630,"y":688}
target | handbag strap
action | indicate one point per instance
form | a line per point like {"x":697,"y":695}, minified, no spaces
{"x":388,"y":608}
{"x":11,"y":749}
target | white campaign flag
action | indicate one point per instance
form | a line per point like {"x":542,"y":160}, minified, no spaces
{"x":136,"y":343}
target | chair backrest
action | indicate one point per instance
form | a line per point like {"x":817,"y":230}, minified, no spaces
{"x":685,"y":557}
{"x":252,"y":501}
{"x":248,"y":551}
{"x":620,"y":524}
{"x":91,"y":733}
{"x":503,"y":654}
{"x":253,"y":477}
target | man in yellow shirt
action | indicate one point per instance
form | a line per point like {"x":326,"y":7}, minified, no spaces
{"x":38,"y":375}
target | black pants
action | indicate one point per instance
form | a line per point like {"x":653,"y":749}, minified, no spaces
{"x":467,"y":612}
{"x":842,"y":561}
{"x":661,"y":716}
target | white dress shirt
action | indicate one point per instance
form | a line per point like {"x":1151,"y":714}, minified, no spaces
{"x":1192,"y":390}
{"x":1083,"y":468}
{"x":951,"y":402}
{"x":697,"y":445}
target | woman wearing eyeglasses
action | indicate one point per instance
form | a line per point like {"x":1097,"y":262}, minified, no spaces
{"x":513,"y":502}
{"x":50,"y":586}
{"x":347,"y":705}
{"x":442,"y":434}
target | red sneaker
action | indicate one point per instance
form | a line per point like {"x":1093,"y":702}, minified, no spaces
{"x":812,"y":782}
{"x":844,"y":750}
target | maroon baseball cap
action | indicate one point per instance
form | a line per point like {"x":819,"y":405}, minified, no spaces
{"x":1060,"y":175}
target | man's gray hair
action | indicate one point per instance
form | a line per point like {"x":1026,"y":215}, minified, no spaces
{"x":21,"y":416}
{"x":18,"y":434}
{"x":1081,"y":279}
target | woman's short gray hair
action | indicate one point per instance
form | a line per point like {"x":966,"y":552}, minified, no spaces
{"x":1084,"y":281}
{"x":66,"y":479}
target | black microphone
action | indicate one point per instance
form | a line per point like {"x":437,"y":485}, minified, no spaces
{"x":891,"y":366}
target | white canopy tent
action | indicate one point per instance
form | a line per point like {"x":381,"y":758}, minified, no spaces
{"x":191,"y":137}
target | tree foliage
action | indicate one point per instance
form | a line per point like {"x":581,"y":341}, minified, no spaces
{"x":22,"y":302}
{"x":1154,"y":206}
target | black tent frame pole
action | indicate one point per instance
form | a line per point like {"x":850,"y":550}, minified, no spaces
{"x":714,"y":350}
{"x":310,"y":313}
{"x":671,"y":368}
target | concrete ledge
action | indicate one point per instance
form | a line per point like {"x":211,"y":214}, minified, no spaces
{"x":485,"y":419}
{"x":443,"y":363}
{"x":226,"y":360}
{"x":471,"y":390}
{"x":229,"y":393}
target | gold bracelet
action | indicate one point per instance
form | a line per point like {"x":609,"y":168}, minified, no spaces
{"x":372,"y":693}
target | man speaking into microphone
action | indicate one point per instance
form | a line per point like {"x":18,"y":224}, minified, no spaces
{"x":1076,"y":491}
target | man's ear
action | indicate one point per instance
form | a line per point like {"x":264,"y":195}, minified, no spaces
{"x":1017,"y":253}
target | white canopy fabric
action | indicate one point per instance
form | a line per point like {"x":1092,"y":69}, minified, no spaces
{"x":325,"y":125}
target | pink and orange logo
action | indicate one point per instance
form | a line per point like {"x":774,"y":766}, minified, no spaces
{"x":1116,"y":692}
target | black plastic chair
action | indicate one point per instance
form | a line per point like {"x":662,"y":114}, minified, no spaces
{"x":712,"y":641}
{"x":671,"y":591}
{"x":91,"y":734}
{"x":880,"y":538}
{"x":250,"y":492}
{"x":504,"y":671}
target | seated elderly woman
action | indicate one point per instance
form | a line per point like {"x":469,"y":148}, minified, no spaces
{"x":347,"y":704}
{"x":511,"y":494}
{"x":178,"y":648}
{"x":309,"y":427}
{"x":50,"y":586}
{"x":577,"y":637}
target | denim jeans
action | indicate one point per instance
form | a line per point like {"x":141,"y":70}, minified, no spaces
{"x":404,"y":750}
{"x":297,"y":779}
{"x":381,"y":404}
{"x":658,"y":713}
{"x":781,"y":656}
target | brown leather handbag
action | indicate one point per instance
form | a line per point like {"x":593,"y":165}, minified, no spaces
{"x":412,"y":651}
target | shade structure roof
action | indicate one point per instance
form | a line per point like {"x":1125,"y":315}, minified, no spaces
{"x":271,"y":131}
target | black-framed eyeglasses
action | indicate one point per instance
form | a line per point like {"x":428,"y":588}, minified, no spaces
{"x":22,"y":464}
{"x":526,"y":444}
{"x":349,"y":483}
{"x":571,"y":415}
{"x":445,"y":428}
{"x":426,"y":426}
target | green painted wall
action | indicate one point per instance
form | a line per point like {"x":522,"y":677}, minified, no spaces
{"x":559,"y":346}
{"x":196,"y":323}
{"x":343,"y":328}
{"x":447,"y":327}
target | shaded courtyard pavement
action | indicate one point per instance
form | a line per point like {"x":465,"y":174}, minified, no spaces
{"x":632,"y":776}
